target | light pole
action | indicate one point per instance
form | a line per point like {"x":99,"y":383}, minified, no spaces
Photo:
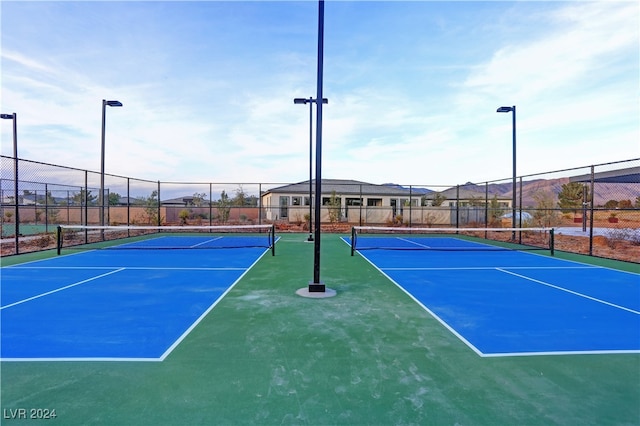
{"x":512,"y":110}
{"x":14,"y":117}
{"x":310,"y":101}
{"x":105,"y":103}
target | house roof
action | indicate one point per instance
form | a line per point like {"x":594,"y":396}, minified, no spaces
{"x":354,"y":187}
{"x":628,"y":175}
{"x":343,"y":187}
{"x":186,"y":200}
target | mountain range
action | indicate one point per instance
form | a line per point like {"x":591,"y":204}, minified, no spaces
{"x":603,"y":192}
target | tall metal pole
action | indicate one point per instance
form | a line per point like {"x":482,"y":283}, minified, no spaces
{"x":317,"y":286}
{"x":105,"y":103}
{"x":513,"y":201}
{"x":15,"y":177}
{"x":310,"y":167}
{"x":310,"y":101}
{"x":14,"y":117}
{"x":512,"y":109}
{"x":101,"y":198}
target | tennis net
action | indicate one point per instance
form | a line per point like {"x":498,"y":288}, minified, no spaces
{"x":451,"y":239}
{"x":134,"y":237}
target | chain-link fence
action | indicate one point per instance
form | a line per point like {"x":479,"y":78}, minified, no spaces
{"x":594,"y":209}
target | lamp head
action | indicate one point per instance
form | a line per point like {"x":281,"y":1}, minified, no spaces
{"x":113,"y":103}
{"x":504,"y":109}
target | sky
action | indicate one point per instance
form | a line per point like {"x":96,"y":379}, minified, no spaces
{"x":207,"y":87}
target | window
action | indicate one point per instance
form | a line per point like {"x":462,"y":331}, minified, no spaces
{"x":284,"y":206}
{"x":326,"y":201}
{"x":296,"y":201}
{"x":374,"y":202}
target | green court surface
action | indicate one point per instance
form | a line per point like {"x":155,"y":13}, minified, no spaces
{"x":369,"y":355}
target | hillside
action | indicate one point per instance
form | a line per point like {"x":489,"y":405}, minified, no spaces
{"x":603,"y":191}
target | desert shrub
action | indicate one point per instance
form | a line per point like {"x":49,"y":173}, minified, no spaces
{"x":43,"y":241}
{"x":616,"y":236}
{"x":184,"y":215}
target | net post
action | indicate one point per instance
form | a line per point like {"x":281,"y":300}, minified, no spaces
{"x":58,"y":239}
{"x":272,"y":233}
{"x":551,"y":241}
{"x":353,"y":236}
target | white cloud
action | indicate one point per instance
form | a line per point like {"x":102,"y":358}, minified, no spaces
{"x":425,"y":113}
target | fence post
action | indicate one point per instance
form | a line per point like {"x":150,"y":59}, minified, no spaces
{"x":128,"y":205}
{"x":410,"y":204}
{"x":593,"y":177}
{"x":210,"y":204}
{"x":486,"y":207}
{"x":457,"y":206}
{"x":361,"y":202}
{"x":260,"y":205}
{"x":86,"y":205}
{"x":159,"y":204}
{"x":520,"y":209}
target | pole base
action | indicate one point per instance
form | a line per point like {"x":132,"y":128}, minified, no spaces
{"x":307,"y":292}
{"x":316,"y":288}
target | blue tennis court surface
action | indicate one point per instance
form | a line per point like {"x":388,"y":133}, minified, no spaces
{"x":502,"y":302}
{"x":115,"y":304}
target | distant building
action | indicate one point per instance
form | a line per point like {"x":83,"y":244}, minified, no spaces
{"x":366,"y":203}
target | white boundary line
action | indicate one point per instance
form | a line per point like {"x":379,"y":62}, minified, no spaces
{"x":142,"y":268}
{"x":171,"y":348}
{"x":498,"y":354}
{"x":209,"y":309}
{"x":569,"y":291}
{"x":205,"y":242}
{"x":480,"y":268}
{"x":413,"y":242}
{"x":60,"y":289}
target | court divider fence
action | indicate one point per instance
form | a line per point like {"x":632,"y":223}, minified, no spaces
{"x":595,"y":209}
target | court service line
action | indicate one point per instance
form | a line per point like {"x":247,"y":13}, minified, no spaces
{"x":569,"y":291}
{"x":473,"y":268}
{"x":414,"y":242}
{"x":205,"y":242}
{"x":61,"y":288}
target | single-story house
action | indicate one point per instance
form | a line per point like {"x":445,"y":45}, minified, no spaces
{"x":289,"y":201}
{"x":366,"y":203}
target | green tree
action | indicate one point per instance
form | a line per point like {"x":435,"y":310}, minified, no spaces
{"x":544,"y":214}
{"x":224,"y":207}
{"x":151,"y":204}
{"x":611,"y":204}
{"x":199,"y":199}
{"x":240,"y":197}
{"x":571,"y":196}
{"x":52,"y":212}
{"x":114,"y":198}
{"x":438,"y":199}
{"x":495,"y":211}
{"x":79,"y":198}
{"x":334,"y":208}
{"x":476,"y":201}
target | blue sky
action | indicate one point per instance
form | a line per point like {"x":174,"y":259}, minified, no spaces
{"x":413,"y":87}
